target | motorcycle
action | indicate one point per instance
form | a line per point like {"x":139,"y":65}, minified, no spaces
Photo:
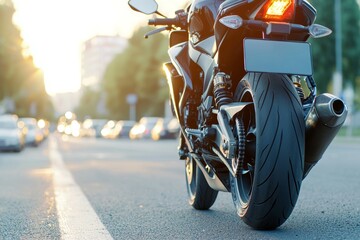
{"x":241,"y":84}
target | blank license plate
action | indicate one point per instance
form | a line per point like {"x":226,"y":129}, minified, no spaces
{"x":277,"y":57}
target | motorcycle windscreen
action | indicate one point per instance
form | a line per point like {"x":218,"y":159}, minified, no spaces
{"x":277,"y":57}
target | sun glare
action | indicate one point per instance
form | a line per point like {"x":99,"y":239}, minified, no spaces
{"x":54,"y":31}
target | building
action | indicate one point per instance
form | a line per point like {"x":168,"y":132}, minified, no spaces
{"x":97,"y":53}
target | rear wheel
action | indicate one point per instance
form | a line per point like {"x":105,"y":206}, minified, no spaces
{"x":267,"y":186}
{"x":201,"y":196}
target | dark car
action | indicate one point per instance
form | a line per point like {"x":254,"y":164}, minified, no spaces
{"x":167,"y":128}
{"x":93,"y":127}
{"x":122,"y":129}
{"x":143,"y":128}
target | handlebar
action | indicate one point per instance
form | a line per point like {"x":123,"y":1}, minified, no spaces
{"x":180,"y":20}
{"x":163,"y":21}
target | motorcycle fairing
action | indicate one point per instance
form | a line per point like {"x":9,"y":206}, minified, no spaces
{"x":202,"y":54}
{"x":178,"y":56}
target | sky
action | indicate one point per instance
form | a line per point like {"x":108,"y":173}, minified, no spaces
{"x":53,"y":31}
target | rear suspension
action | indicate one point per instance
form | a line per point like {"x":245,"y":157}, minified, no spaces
{"x":222,"y":89}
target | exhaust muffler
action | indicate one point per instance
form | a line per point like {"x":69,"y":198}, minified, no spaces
{"x":323,"y":121}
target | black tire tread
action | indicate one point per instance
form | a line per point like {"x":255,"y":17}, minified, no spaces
{"x":280,"y":150}
{"x":205,"y":196}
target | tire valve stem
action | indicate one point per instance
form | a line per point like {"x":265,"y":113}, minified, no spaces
{"x":297,"y":83}
{"x":222,"y":89}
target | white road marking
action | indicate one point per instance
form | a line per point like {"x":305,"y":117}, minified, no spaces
{"x":77,"y":219}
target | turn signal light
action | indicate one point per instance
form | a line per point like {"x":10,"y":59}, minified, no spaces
{"x":232,"y":21}
{"x":278,"y":10}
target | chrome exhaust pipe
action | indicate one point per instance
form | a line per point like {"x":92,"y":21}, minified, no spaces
{"x":322,"y":123}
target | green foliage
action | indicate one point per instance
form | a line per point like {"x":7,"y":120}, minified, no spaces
{"x":137,"y":71}
{"x":87,"y":107}
{"x":31,"y":98}
{"x":357,"y":91}
{"x":20,"y":80}
{"x":10,"y":52}
{"x":324,"y":48}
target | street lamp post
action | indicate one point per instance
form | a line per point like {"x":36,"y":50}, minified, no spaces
{"x":132,"y":100}
{"x":338,"y":76}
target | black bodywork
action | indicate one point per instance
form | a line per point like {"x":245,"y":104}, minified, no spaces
{"x":236,"y":75}
{"x":212,"y":44}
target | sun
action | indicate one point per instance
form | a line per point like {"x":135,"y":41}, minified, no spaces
{"x":52,"y":43}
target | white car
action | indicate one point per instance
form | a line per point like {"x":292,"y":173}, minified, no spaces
{"x":11,"y":135}
{"x":34,"y":135}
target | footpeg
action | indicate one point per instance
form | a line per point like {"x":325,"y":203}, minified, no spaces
{"x":209,"y":133}
{"x":195,"y":132}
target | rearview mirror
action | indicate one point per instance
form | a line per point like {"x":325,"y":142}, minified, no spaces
{"x":144,"y":6}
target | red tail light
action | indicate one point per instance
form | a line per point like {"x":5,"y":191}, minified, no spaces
{"x":278,"y":10}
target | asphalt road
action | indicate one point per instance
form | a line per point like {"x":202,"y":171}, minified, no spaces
{"x":79,"y":188}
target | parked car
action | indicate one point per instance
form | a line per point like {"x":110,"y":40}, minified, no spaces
{"x":167,"y":128}
{"x":44,"y":125}
{"x":143,"y":128}
{"x":98,"y":124}
{"x":65,"y":123}
{"x":106,"y":131}
{"x":12,"y":137}
{"x":87,"y":128}
{"x":122,"y":129}
{"x":34,"y":134}
{"x":76,"y":130}
{"x":93,"y":127}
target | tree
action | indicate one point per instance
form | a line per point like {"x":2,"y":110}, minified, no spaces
{"x":137,"y":71}
{"x":324,"y":48}
{"x":31,"y":98}
{"x":10,"y":52}
{"x":89,"y":101}
{"x":20,"y":80}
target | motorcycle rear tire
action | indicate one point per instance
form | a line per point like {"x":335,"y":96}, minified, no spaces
{"x":265,"y":197}
{"x":200,"y":195}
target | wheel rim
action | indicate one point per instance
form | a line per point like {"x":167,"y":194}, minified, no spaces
{"x":190,"y":169}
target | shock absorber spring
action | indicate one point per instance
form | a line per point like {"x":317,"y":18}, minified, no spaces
{"x":222,"y":91}
{"x":297,"y":83}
